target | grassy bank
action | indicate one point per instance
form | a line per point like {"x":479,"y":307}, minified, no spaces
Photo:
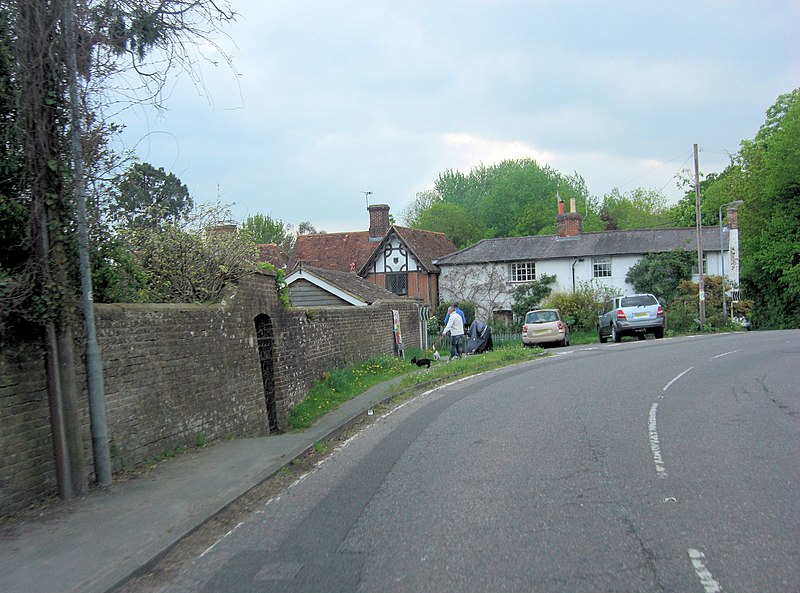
{"x":338,"y":386}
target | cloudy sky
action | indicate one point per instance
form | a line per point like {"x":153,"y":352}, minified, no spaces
{"x":329,"y":99}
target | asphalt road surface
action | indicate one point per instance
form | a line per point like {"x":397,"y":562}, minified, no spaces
{"x":664,"y":465}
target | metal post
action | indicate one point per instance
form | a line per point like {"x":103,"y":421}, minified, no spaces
{"x":94,"y":364}
{"x":722,"y":267}
{"x":698,"y":219}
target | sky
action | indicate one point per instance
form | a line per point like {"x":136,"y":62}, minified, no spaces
{"x":327,"y":100}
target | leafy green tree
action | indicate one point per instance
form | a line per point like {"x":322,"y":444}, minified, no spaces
{"x":530,"y":296}
{"x":661,"y":273}
{"x":263,"y":229}
{"x":716,"y":189}
{"x":637,"y":209}
{"x":452,"y":220}
{"x":510,"y":198}
{"x":769,"y":170}
{"x":144,"y":196}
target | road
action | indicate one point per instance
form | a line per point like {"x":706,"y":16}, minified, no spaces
{"x":664,"y":465}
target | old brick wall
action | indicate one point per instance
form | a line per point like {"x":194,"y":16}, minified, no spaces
{"x":27,"y":466}
{"x":176,"y":375}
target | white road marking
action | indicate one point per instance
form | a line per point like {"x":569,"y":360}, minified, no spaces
{"x":654,"y":444}
{"x":667,"y":386}
{"x":706,"y":578}
{"x":587,"y":349}
{"x":721,"y":355}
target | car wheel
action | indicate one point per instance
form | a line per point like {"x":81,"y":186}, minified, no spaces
{"x":603,"y":339}
{"x":614,"y":335}
{"x":641,"y":337}
{"x":658,"y":333}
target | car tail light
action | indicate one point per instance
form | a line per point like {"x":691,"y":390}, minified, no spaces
{"x":560,"y":325}
{"x":660,"y":311}
{"x":525,"y":328}
{"x":620,"y":314}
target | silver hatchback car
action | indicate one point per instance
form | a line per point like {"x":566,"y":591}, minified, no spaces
{"x":631,"y":315}
{"x":545,"y":326}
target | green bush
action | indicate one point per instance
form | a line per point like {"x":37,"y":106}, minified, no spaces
{"x":580,"y":308}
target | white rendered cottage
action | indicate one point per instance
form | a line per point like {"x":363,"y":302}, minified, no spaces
{"x":487,"y":273}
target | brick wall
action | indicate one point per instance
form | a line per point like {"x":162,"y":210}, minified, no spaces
{"x":175,"y":374}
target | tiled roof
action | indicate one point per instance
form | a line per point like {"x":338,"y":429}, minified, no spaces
{"x":585,"y":245}
{"x":334,"y":251}
{"x":271,"y":253}
{"x":352,"y":284}
{"x":337,"y":251}
{"x":427,"y":246}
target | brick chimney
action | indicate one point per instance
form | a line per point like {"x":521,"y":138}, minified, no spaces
{"x":378,"y":221}
{"x":569,"y":224}
{"x":733,"y":216}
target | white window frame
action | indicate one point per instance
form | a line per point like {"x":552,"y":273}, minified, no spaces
{"x":601,"y":267}
{"x":523,"y":271}
{"x":705,"y":265}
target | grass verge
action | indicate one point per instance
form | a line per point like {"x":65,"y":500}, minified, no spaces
{"x":341,"y":385}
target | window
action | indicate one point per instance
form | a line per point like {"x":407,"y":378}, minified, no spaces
{"x":705,"y":265}
{"x":522,"y":271}
{"x":601,"y":267}
{"x":397,"y":283}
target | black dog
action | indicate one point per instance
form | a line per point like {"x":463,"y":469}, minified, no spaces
{"x":422,"y":362}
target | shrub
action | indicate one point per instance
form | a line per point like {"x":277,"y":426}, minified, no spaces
{"x":580,"y":308}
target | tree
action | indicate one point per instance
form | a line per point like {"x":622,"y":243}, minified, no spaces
{"x":452,"y":220}
{"x":530,"y":295}
{"x":769,"y":182}
{"x":144,"y":196}
{"x":715,"y":189}
{"x":263,"y":229}
{"x":637,"y":209}
{"x":191,"y":262}
{"x":422,"y":202}
{"x":40,"y":65}
{"x":661,"y":273}
{"x":306,"y":228}
{"x":512,"y":198}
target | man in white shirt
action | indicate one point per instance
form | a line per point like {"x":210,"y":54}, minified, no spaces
{"x":455,"y":325}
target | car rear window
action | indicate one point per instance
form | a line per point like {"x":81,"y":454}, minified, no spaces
{"x":643,"y":300}
{"x":541,"y":317}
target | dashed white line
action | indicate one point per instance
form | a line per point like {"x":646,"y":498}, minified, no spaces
{"x":667,"y":386}
{"x":706,"y":578}
{"x":655,"y":447}
{"x":721,"y":355}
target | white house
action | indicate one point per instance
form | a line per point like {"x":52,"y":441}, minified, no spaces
{"x":487,"y":273}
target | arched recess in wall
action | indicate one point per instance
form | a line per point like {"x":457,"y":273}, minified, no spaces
{"x":264,"y":335}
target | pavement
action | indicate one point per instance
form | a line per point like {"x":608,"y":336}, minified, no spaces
{"x":93,"y":544}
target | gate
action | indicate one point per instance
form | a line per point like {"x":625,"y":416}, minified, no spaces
{"x":264,"y":336}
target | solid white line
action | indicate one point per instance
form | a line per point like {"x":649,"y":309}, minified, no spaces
{"x":676,"y":378}
{"x":654,"y":444}
{"x":706,"y":578}
{"x":723,"y":354}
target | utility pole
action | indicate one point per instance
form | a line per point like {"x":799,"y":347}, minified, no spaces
{"x":698,"y":218}
{"x":94,"y":363}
